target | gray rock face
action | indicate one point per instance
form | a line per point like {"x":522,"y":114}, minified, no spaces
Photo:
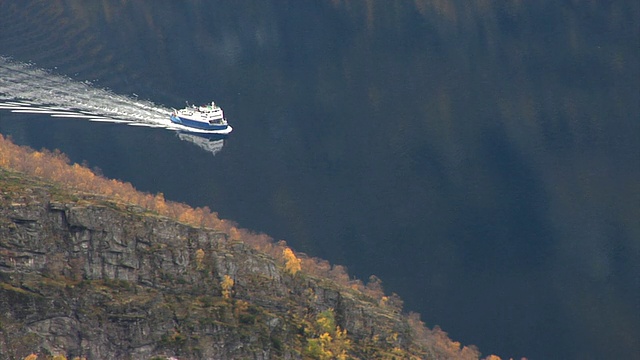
{"x":83,"y":276}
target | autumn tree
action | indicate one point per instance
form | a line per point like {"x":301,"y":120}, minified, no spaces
{"x":292,"y":263}
{"x":326,"y":340}
{"x":227,"y":286}
{"x":199,"y":259}
{"x":234,"y":234}
{"x":374,"y":287}
{"x":56,"y":167}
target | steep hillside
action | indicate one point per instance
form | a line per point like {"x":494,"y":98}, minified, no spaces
{"x":91,"y":276}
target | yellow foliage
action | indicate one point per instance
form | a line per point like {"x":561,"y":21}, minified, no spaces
{"x":59,"y":357}
{"x":227,"y":285}
{"x":392,"y":338}
{"x":292,"y":263}
{"x":325,"y":323}
{"x":31,"y":357}
{"x":327,"y":341}
{"x":55,"y":166}
{"x":325,"y":338}
{"x":199,"y":259}
{"x":340,"y":333}
{"x":493,"y":357}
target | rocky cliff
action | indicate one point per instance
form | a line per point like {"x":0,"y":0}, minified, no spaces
{"x":87,"y":276}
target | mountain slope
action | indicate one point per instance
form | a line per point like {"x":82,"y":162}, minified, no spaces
{"x":92,"y":276}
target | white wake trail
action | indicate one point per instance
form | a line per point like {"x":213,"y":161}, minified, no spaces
{"x":28,"y":85}
{"x":27,"y":89}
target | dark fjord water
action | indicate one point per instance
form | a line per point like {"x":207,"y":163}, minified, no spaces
{"x":481,"y":158}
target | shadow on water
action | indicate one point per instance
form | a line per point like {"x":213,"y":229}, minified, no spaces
{"x":515,"y":235}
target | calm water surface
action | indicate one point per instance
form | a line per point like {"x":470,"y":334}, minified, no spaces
{"x":481,"y":158}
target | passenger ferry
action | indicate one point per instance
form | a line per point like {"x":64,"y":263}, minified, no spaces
{"x":205,"y":118}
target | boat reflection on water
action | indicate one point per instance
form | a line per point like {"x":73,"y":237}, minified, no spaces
{"x":212,"y":143}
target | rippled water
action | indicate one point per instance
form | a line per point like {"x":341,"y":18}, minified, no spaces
{"x":481,"y":158}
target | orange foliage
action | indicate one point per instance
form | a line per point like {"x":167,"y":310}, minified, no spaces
{"x":438,"y":343}
{"x":55,"y":166}
{"x":234,"y":233}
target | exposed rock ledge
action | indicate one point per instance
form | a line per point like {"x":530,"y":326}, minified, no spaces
{"x":84,"y":276}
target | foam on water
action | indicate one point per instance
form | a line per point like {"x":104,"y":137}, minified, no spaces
{"x":27,"y":89}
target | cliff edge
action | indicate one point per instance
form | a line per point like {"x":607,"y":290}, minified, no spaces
{"x":92,"y":277}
